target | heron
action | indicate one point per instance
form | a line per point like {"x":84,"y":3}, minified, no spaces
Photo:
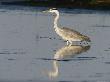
{"x":69,"y":35}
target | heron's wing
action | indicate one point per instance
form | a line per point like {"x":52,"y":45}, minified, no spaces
{"x":71,"y":31}
{"x":75,"y":34}
{"x":67,"y":33}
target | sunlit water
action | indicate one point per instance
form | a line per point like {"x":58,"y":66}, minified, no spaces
{"x":31,"y":51}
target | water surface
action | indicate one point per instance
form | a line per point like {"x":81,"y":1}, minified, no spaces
{"x":31,"y":51}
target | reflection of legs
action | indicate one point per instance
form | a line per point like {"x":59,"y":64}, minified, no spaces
{"x":69,"y":42}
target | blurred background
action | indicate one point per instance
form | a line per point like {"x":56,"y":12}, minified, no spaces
{"x":95,"y":4}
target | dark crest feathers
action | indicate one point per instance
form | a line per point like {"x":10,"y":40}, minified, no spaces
{"x":53,"y":8}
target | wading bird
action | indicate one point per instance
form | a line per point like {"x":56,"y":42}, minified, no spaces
{"x":67,"y":34}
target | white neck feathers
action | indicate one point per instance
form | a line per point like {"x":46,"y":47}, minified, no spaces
{"x":56,"y":19}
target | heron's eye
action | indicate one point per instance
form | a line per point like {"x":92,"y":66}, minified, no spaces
{"x":50,"y":9}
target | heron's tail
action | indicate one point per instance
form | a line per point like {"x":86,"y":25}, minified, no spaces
{"x":86,"y":38}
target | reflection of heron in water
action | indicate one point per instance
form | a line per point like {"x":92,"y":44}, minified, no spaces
{"x":66,"y":33}
{"x":65,"y":53}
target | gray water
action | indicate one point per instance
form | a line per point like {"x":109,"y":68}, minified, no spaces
{"x":31,"y":51}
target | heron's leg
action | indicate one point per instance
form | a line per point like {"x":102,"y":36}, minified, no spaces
{"x":67,"y":42}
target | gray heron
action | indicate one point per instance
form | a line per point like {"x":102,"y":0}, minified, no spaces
{"x":67,"y":34}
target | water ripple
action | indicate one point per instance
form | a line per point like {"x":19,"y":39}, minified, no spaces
{"x":69,"y":59}
{"x":6,"y":51}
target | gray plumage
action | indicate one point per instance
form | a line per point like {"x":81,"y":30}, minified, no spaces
{"x":70,"y":34}
{"x":67,"y":34}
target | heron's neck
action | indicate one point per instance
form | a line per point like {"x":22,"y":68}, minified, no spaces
{"x":56,"y":20}
{"x":55,"y":71}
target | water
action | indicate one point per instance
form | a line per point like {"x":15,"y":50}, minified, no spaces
{"x":31,"y":51}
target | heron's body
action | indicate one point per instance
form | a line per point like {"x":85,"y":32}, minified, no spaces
{"x":67,"y":34}
{"x":71,"y":35}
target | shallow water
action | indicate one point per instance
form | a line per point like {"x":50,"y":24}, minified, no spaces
{"x":31,"y":51}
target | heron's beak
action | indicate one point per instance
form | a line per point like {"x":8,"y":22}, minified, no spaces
{"x":45,"y":11}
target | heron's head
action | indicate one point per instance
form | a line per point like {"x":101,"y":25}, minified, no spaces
{"x":52,"y":10}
